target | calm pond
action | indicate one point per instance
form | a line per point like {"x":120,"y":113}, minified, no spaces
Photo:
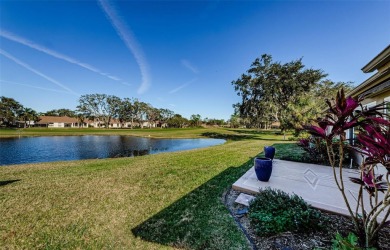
{"x":60,"y":148}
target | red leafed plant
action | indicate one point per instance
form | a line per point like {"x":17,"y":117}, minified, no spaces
{"x":374,"y":145}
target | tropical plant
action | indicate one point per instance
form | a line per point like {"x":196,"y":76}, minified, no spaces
{"x":28,"y":115}
{"x":374,"y":143}
{"x":347,"y":243}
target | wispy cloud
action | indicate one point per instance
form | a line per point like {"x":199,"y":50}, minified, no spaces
{"x":35,"y":87}
{"x":28,"y":67}
{"x":182,"y":86}
{"x":28,"y":43}
{"x":131,"y":43}
{"x":189,"y":66}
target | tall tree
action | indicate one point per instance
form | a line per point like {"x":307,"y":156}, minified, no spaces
{"x":99,"y":106}
{"x":152,"y":115}
{"x":9,"y":110}
{"x":61,"y":112}
{"x":195,"y":120}
{"x":270,"y":89}
{"x":177,"y":121}
{"x":165,"y":115}
{"x":28,"y":115}
{"x":125,"y":113}
{"x":80,"y":118}
{"x":140,"y":112}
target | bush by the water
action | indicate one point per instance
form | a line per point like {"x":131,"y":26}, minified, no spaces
{"x":274,"y":211}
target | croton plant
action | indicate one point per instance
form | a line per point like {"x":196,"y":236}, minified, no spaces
{"x":373,"y":143}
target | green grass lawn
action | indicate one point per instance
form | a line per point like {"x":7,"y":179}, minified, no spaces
{"x":149,"y":202}
{"x":290,"y":152}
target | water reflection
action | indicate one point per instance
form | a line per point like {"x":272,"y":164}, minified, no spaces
{"x":58,"y":148}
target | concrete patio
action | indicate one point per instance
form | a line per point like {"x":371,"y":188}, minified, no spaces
{"x":314,"y":183}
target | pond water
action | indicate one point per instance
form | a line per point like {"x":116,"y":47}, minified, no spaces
{"x":60,"y":148}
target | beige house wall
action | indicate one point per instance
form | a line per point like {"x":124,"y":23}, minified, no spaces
{"x":376,"y":88}
{"x":377,"y":98}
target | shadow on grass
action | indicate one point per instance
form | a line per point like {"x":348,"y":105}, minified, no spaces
{"x":216,"y":135}
{"x":3,"y":183}
{"x":199,"y":220}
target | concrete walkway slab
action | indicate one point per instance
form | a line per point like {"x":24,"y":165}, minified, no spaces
{"x":314,"y":183}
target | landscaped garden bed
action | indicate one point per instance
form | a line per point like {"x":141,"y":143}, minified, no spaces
{"x":322,"y":239}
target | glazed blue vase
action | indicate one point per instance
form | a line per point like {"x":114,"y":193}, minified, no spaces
{"x":269,"y":152}
{"x":263,"y":168}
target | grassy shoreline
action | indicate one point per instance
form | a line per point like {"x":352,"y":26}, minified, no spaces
{"x":150,"y":202}
{"x":156,"y":133}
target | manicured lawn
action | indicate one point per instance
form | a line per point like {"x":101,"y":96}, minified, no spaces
{"x":150,"y":202}
{"x":291,"y":152}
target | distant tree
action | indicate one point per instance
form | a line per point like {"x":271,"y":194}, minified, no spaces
{"x":9,"y":110}
{"x":310,"y":104}
{"x":196,"y":120}
{"x":136,"y":114}
{"x":99,"y":106}
{"x":80,"y":118}
{"x":61,"y":112}
{"x":177,"y":121}
{"x":165,"y":115}
{"x":270,"y":89}
{"x":216,"y":122}
{"x":234,"y":121}
{"x":327,"y":89}
{"x":141,"y":109}
{"x":152,"y":115}
{"x":125,"y":113}
{"x":28,"y":115}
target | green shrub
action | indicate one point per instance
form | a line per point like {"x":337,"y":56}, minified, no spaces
{"x":348,"y":243}
{"x":317,"y":150}
{"x":274,"y":211}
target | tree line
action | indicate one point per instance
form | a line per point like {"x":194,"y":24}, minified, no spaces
{"x":104,"y":109}
{"x":286,"y":93}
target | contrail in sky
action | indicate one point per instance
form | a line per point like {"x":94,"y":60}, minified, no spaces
{"x":131,"y":43}
{"x":21,"y":40}
{"x":182,"y":86}
{"x":35,"y":87}
{"x":26,"y":66}
{"x":189,"y":66}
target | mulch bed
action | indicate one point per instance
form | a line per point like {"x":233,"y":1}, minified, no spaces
{"x":297,"y":241}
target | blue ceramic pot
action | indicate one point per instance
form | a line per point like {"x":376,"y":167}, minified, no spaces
{"x":269,"y":152}
{"x":263,"y":168}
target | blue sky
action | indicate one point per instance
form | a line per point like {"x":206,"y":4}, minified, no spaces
{"x":180,"y":55}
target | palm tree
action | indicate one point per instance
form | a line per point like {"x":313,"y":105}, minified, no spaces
{"x":28,"y":115}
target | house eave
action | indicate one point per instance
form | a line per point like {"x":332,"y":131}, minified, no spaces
{"x":381,"y":59}
{"x":366,"y":84}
